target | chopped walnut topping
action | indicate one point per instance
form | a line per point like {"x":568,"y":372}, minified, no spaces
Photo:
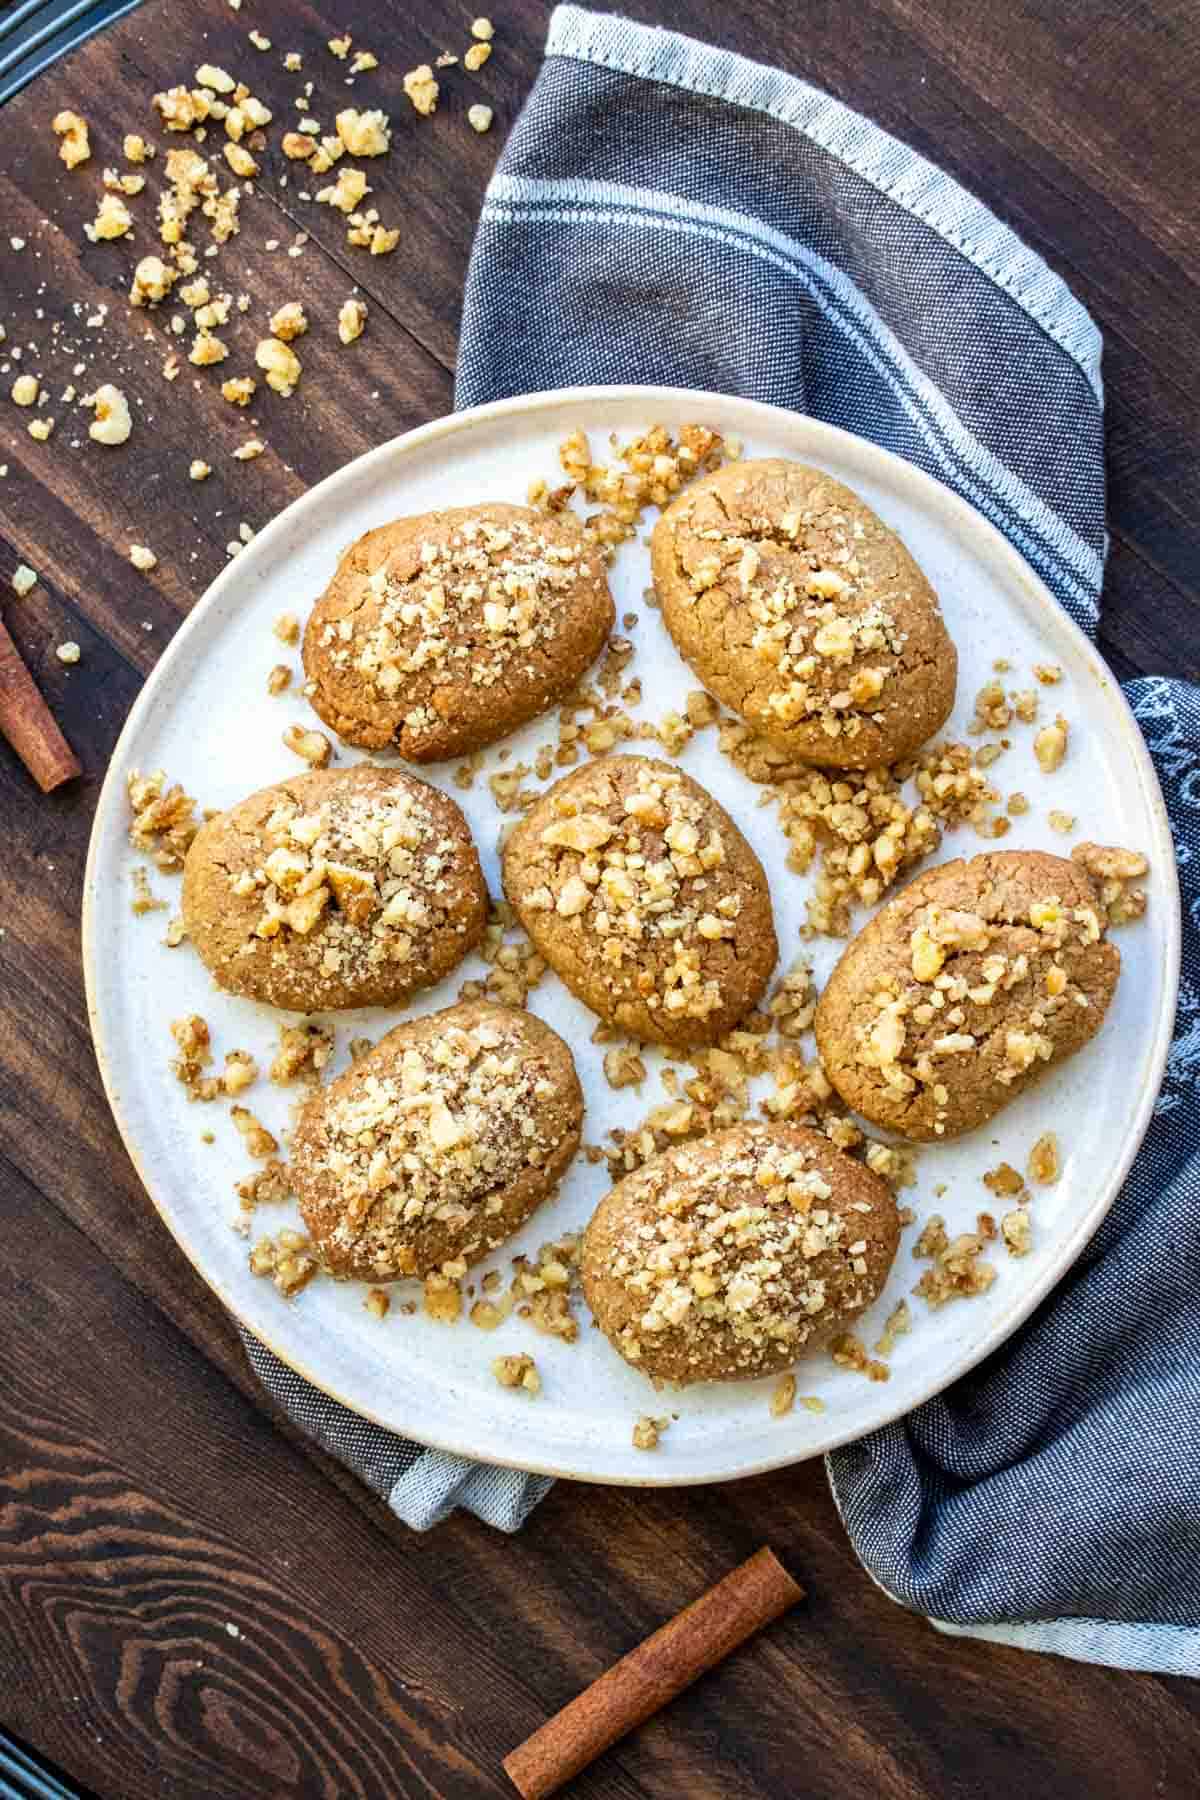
{"x":783,"y":1396}
{"x":259,"y":1141}
{"x":1017,"y":1232}
{"x":74,"y":147}
{"x":897,"y":1325}
{"x":163,"y":823}
{"x":143,"y":899}
{"x":313,"y":747}
{"x":517,"y":1372}
{"x":303,"y":1052}
{"x":1044,"y":1165}
{"x":957,"y":1271}
{"x":623,"y":1067}
{"x":848,"y":1352}
{"x":269,"y":1186}
{"x":289,"y":1259}
{"x":193,"y":1043}
{"x":1050,"y":745}
{"x":647,"y":1432}
{"x":442,"y":1298}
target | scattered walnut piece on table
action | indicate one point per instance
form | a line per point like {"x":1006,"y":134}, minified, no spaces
{"x":176,"y":934}
{"x":279,"y":363}
{"x":112,"y":424}
{"x":1049,"y":674}
{"x":479,"y":118}
{"x":476,"y":56}
{"x":289,"y":321}
{"x":287,"y":628}
{"x":72,"y":130}
{"x":1061,"y":821}
{"x":518,"y":1371}
{"x":377,"y":1303}
{"x":279,"y":678}
{"x":352,"y":319}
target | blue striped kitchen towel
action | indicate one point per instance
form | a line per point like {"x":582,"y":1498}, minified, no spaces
{"x":668,"y":213}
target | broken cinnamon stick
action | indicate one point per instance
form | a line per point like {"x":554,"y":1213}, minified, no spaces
{"x":28,"y":724}
{"x":676,"y":1655}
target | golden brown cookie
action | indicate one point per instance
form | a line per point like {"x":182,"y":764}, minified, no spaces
{"x":348,"y":887}
{"x":643,"y":895}
{"x":965,"y":988}
{"x":438,"y":1144}
{"x":799,"y":608}
{"x":722,"y":1259}
{"x":444,"y":632}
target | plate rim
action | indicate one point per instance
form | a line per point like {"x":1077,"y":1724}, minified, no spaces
{"x":973,"y":521}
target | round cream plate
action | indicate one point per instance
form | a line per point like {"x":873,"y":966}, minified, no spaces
{"x":205,"y":717}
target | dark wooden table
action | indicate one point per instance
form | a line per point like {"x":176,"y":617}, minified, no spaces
{"x":194,"y":1603}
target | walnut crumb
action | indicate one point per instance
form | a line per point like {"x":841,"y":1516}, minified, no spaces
{"x":259,"y":1141}
{"x":517,"y":1372}
{"x":1050,"y":745}
{"x":352,"y":319}
{"x":377,"y":1303}
{"x":1017,"y":1232}
{"x":848,"y":1352}
{"x":313,"y":747}
{"x":1044,"y":1164}
{"x":144,"y":900}
{"x":479,"y":118}
{"x":1003,"y":1180}
{"x":647,"y":1432}
{"x":783,"y":1396}
{"x":443,"y":1298}
{"x":279,"y":679}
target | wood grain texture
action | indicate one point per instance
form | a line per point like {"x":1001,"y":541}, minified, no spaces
{"x":147,"y":1499}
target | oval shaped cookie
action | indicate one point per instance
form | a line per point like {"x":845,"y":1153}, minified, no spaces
{"x":963,"y":989}
{"x":444,"y":632}
{"x":438,"y":1144}
{"x":643,"y":895}
{"x":723,"y":1258}
{"x":799,"y":608}
{"x":346,"y":887}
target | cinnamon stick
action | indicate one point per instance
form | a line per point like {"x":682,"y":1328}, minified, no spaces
{"x":676,"y":1655}
{"x":28,"y":724}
